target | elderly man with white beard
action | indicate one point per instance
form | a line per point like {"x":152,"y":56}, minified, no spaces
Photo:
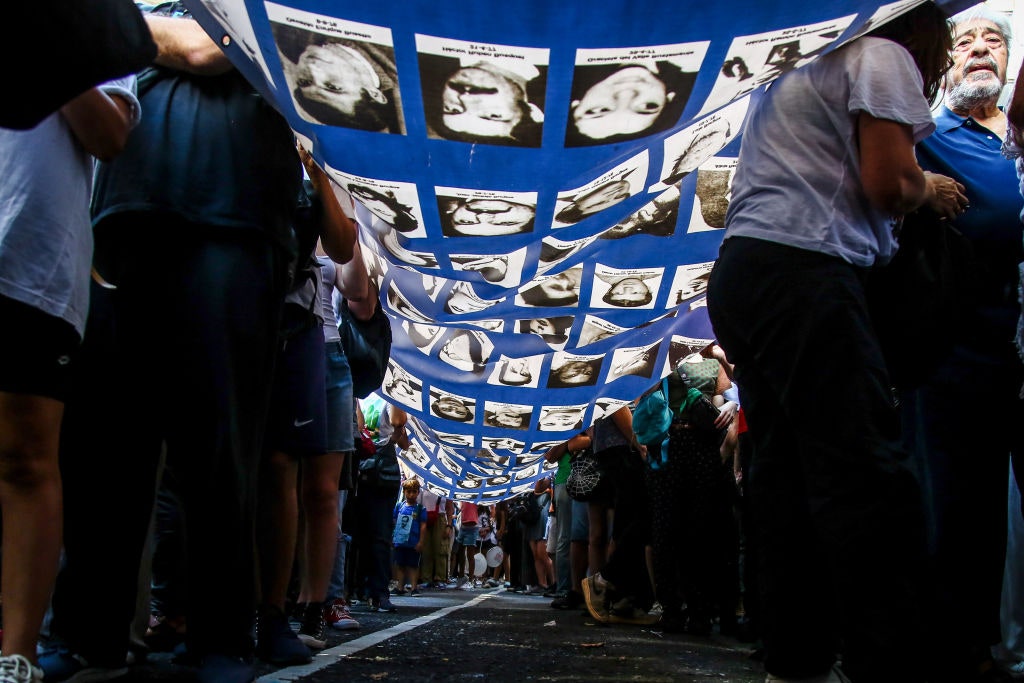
{"x":961,"y":458}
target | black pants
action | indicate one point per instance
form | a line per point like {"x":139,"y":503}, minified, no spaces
{"x":837,"y":512}
{"x":181,"y":352}
{"x":962,"y":459}
{"x":626,"y":567}
{"x":376,"y":507}
{"x":693,"y":528}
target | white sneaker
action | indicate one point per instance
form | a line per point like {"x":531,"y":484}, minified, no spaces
{"x":17,"y":669}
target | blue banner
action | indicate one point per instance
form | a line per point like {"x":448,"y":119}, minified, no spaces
{"x":540,"y":188}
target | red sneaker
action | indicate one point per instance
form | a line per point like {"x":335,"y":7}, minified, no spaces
{"x":337,"y":616}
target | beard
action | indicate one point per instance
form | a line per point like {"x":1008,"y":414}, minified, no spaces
{"x":967,"y":95}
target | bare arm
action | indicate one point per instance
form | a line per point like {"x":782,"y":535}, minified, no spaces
{"x":101,"y":122}
{"x":182,"y":44}
{"x":398,"y":418}
{"x":891,"y":178}
{"x":889,"y":174}
{"x":578,"y":442}
{"x":555,"y":453}
{"x":361,"y":297}
{"x":337,"y":231}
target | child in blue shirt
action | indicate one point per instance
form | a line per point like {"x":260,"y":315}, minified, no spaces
{"x":410,"y":526}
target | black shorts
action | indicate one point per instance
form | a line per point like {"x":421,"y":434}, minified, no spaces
{"x":406,"y":557}
{"x":37,"y":351}
{"x":297,"y":424}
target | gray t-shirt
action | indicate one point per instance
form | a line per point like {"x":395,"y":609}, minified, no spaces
{"x":45,"y":230}
{"x":798,"y":178}
{"x":329,"y":275}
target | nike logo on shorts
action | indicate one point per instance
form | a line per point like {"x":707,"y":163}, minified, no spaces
{"x":302,"y":423}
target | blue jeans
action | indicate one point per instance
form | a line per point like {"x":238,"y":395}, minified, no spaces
{"x":336,"y":588}
{"x":563,"y":522}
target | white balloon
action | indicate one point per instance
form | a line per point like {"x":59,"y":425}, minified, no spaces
{"x":479,"y":564}
{"x":495,"y":556}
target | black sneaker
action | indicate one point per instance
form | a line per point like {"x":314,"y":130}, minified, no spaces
{"x":298,"y":612}
{"x":313,"y":631}
{"x":385,"y":605}
{"x":276,"y":643}
{"x":570,"y":600}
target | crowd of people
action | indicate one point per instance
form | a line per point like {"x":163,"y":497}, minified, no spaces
{"x":855,"y":527}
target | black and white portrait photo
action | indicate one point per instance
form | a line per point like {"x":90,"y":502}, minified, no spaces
{"x":711,"y":199}
{"x":452,"y":407}
{"x":631,"y":92}
{"x":657,"y":218}
{"x":466,"y":350}
{"x":689,"y":281}
{"x":561,"y":418}
{"x":680,"y":347}
{"x":607,"y":190}
{"x":507,"y":415}
{"x":504,"y":270}
{"x":554,"y":251}
{"x":400,"y":305}
{"x":561,"y":289}
{"x":402,"y":387}
{"x":633,"y":288}
{"x":688,"y":149}
{"x":334,"y":79}
{"x":639,"y":361}
{"x":516,"y":372}
{"x":482,"y":93}
{"x":484,"y":213}
{"x":462,"y":299}
{"x":570,"y":371}
{"x":422,"y":335}
{"x":754,"y":60}
{"x":554,"y":330}
{"x":596,"y":329}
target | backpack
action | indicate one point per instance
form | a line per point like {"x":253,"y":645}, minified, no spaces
{"x":651,"y":421}
{"x":367,"y":345}
{"x":524,"y":508}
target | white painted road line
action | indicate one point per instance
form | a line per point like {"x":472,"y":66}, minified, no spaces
{"x":326,"y":658}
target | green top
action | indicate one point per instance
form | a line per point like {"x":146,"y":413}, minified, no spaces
{"x":562,"y":473}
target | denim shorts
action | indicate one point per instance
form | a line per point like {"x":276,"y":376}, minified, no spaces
{"x":340,"y":403}
{"x":468,"y":535}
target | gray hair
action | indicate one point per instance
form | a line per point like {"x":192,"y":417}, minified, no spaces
{"x":982,"y":11}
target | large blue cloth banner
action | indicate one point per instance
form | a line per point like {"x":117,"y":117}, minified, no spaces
{"x":540,"y":188}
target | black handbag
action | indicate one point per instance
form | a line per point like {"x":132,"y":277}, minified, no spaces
{"x":918,"y":298}
{"x":701,"y":414}
{"x":381,"y":471}
{"x":367,"y":345}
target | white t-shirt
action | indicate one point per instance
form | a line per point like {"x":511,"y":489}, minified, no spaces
{"x":798,"y":177}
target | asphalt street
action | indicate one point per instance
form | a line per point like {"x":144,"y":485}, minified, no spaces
{"x":496,"y":635}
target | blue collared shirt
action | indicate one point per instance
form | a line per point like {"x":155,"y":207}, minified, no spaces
{"x":963,"y":149}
